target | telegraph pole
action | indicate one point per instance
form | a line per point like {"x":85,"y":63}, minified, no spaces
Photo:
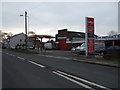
{"x":86,"y":38}
{"x":26,"y":29}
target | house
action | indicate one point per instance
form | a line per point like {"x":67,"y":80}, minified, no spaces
{"x":18,"y":39}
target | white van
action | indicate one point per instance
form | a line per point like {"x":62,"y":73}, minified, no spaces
{"x":99,"y":48}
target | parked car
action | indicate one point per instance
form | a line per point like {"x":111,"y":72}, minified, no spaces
{"x":112,"y":52}
{"x":3,"y":47}
{"x":113,"y":48}
{"x":30,"y":47}
{"x":80,"y":49}
{"x":73,"y":50}
{"x":48,"y":46}
{"x":99,"y":48}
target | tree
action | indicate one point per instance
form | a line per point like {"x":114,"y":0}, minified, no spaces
{"x":31,"y":32}
{"x":112,"y":32}
{"x":0,"y":36}
{"x":9,"y":35}
{"x":5,"y":35}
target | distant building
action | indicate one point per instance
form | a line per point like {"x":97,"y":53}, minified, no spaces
{"x":13,"y":41}
{"x":38,"y":43}
{"x":32,"y":41}
{"x":68,"y":39}
{"x":110,"y":40}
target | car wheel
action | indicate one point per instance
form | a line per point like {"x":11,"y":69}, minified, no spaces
{"x":102,"y":53}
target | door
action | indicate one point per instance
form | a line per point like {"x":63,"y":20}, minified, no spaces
{"x":62,"y":45}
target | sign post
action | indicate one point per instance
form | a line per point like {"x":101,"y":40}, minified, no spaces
{"x":89,"y":35}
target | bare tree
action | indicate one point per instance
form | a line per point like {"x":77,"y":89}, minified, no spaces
{"x":9,"y":35}
{"x":31,"y":32}
{"x":112,"y":32}
{"x":5,"y":35}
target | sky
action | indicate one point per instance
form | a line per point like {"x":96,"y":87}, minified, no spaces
{"x":46,"y":18}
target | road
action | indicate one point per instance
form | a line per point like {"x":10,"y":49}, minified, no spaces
{"x":33,"y":71}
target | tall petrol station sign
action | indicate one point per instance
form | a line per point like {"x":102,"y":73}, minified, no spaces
{"x":89,"y":35}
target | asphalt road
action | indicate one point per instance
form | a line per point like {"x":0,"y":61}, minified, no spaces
{"x":33,"y":71}
{"x":23,"y":74}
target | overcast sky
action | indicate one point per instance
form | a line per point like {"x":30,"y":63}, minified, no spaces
{"x":49,"y":17}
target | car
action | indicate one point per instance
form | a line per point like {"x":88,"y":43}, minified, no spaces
{"x":112,"y":52}
{"x":30,"y":47}
{"x":113,"y":48}
{"x":73,"y":50}
{"x":3,"y":47}
{"x":99,"y":48}
{"x":80,"y":50}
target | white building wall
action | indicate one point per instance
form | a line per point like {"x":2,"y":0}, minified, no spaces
{"x":16,"y":40}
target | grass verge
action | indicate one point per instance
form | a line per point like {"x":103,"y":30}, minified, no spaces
{"x":24,"y":51}
{"x":115,"y":59}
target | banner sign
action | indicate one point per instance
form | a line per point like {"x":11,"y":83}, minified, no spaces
{"x":90,"y":35}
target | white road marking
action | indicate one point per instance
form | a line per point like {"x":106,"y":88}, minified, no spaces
{"x":100,"y":86}
{"x":81,"y":84}
{"x":7,"y":53}
{"x":12,"y":55}
{"x":21,"y":58}
{"x":37,"y":64}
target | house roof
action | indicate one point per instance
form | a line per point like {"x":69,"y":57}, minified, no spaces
{"x":76,"y":34}
{"x":42,"y":36}
{"x":15,"y":35}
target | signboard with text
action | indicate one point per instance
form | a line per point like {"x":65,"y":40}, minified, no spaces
{"x":90,"y":35}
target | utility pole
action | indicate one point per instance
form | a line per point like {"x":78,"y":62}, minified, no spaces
{"x":86,"y":38}
{"x":25,"y":30}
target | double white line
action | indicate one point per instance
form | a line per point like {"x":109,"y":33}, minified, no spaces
{"x":74,"y":81}
{"x":64,"y":75}
{"x":74,"y":78}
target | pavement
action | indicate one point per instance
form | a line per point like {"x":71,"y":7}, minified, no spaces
{"x":67,"y":55}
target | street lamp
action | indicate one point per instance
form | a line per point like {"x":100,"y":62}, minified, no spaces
{"x":25,"y":28}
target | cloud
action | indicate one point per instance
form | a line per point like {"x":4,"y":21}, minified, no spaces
{"x":50,"y":16}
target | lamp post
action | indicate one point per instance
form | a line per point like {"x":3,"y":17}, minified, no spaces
{"x":25,"y":29}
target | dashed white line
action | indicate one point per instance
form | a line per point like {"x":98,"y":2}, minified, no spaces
{"x":37,"y":64}
{"x":12,"y":55}
{"x":7,"y":53}
{"x":21,"y":58}
{"x":81,"y":84}
{"x":100,"y":86}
